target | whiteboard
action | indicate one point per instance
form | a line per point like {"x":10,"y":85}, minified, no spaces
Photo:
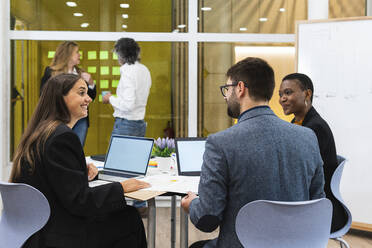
{"x":337,"y":56}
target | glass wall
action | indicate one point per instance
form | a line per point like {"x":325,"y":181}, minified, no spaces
{"x":346,"y":8}
{"x":212,"y":110}
{"x":167,"y":102}
{"x":171,"y":100}
{"x":250,"y":16}
{"x":101,"y":15}
{"x":265,"y":16}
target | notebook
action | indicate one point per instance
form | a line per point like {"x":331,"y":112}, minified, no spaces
{"x":127,"y":157}
{"x":190,"y":153}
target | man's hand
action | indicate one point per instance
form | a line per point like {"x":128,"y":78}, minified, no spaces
{"x":106,"y":98}
{"x":185,"y":202}
{"x":92,"y":171}
{"x":132,"y":184}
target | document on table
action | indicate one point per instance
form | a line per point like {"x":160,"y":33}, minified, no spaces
{"x":177,"y":184}
{"x":96,"y":163}
{"x":96,"y":183}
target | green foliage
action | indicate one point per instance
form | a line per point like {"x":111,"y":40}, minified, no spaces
{"x":156,"y":151}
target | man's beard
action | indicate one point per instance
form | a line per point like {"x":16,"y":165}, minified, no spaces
{"x":233,"y":106}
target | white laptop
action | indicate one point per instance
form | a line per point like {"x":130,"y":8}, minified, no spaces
{"x":127,"y":157}
{"x":190,"y":153}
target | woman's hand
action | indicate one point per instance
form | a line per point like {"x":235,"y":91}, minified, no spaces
{"x":132,"y":184}
{"x":92,"y":171}
{"x":87,"y":78}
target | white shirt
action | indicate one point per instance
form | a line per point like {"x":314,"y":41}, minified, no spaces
{"x":132,"y":92}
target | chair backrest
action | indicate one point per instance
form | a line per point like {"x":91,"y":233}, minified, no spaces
{"x":25,"y":211}
{"x":335,"y":188}
{"x":304,"y":224}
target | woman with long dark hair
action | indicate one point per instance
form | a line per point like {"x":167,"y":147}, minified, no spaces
{"x":51,"y":159}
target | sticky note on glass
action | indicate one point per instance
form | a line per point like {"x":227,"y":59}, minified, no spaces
{"x":103,"y":55}
{"x":92,"y":55}
{"x":92,"y":69}
{"x":103,"y":84}
{"x":51,"y":54}
{"x":105,"y":70}
{"x":115,"y":83}
{"x":115,"y":70}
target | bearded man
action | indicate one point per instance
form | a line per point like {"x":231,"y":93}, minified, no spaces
{"x":260,"y":158}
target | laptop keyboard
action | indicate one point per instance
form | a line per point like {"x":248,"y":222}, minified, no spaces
{"x":118,"y":174}
{"x":100,"y":157}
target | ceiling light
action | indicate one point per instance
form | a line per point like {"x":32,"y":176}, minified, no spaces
{"x":78,"y":14}
{"x":125,"y":16}
{"x":71,"y":4}
{"x":124,"y":26}
{"x":282,"y":9}
{"x":197,"y":18}
{"x":206,"y":8}
{"x":263,"y":19}
{"x":181,"y":26}
{"x":84,"y":25}
{"x":243,"y":29}
{"x":124,"y":5}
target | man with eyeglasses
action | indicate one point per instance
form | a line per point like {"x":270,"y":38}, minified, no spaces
{"x":261,"y":157}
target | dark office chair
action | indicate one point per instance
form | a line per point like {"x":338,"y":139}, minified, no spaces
{"x":25,"y":211}
{"x":304,"y":224}
{"x":335,"y":188}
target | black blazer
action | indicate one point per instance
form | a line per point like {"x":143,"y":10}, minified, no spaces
{"x":61,"y":175}
{"x":92,"y":93}
{"x":327,"y":148}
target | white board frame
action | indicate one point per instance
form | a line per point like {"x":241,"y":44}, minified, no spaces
{"x":339,"y":69}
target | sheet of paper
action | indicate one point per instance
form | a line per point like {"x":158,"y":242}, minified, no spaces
{"x":137,"y":195}
{"x":96,"y":183}
{"x":178,"y":184}
{"x":96,"y":163}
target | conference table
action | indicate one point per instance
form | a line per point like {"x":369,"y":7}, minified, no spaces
{"x":149,"y":196}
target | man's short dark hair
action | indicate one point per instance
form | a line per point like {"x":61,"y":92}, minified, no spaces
{"x":128,"y":50}
{"x":257,"y":75}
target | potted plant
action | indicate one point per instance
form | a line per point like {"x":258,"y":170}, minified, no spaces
{"x":163,"y":149}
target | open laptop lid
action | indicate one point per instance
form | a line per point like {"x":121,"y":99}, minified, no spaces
{"x":128,"y":154}
{"x":190,"y":153}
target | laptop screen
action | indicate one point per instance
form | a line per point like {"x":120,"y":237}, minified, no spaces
{"x":190,"y":155}
{"x":129,"y":154}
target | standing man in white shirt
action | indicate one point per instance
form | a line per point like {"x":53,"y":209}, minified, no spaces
{"x":132,"y":93}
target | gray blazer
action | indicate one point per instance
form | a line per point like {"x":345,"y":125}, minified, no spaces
{"x":261,"y":157}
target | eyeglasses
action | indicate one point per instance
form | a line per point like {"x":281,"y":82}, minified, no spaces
{"x":224,"y":88}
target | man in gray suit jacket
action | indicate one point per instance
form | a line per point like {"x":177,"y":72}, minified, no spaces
{"x":261,"y":157}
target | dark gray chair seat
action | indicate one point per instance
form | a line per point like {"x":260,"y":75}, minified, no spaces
{"x":335,"y":188}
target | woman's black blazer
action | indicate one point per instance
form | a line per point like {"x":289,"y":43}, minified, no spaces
{"x":327,"y":148}
{"x":61,"y":175}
